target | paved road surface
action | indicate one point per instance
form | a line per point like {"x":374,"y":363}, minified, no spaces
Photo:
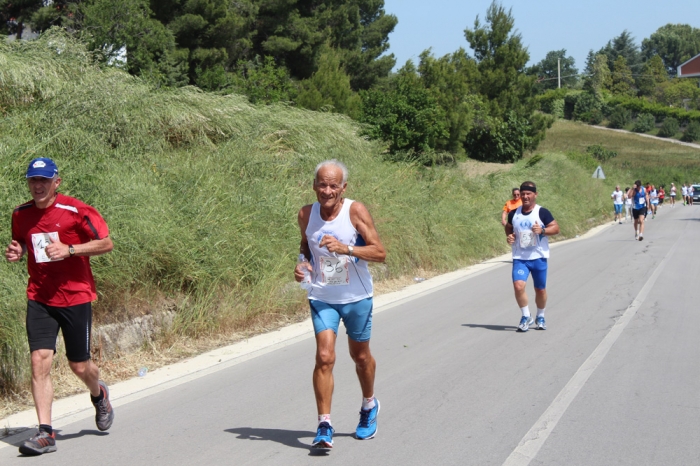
{"x":614,"y":380}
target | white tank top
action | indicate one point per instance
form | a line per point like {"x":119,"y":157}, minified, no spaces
{"x":528,"y":246}
{"x":336,"y":278}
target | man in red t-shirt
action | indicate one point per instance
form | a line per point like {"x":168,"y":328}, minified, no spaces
{"x":59,"y":234}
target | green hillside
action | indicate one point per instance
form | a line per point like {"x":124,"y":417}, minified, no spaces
{"x":651,"y":160}
{"x":201,"y":193}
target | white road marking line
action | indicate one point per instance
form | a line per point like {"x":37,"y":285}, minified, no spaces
{"x":531,"y":443}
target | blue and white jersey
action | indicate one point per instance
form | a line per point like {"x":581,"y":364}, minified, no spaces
{"x":529,"y":246}
{"x":653,"y":196}
{"x":640,"y":199}
{"x":336,"y":279}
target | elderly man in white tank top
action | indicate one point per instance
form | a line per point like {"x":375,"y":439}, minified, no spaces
{"x":338,"y":237}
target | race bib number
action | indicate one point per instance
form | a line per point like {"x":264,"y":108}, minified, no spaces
{"x":335,"y":271}
{"x":528,"y":239}
{"x":40,"y":241}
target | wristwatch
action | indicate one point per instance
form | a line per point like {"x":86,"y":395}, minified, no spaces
{"x":71,"y":250}
{"x":350,"y":249}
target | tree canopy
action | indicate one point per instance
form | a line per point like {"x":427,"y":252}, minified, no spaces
{"x":674,"y":43}
{"x":546,"y":71}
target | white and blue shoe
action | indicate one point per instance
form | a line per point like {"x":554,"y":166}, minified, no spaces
{"x":525,"y":323}
{"x":367,"y":428}
{"x":324,"y":436}
{"x":540,"y":323}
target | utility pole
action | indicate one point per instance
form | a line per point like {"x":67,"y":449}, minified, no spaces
{"x":559,"y":72}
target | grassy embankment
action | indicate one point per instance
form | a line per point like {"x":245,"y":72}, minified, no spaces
{"x":650,"y":160}
{"x":201,"y":193}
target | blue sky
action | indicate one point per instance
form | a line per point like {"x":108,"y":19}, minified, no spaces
{"x":545,"y":25}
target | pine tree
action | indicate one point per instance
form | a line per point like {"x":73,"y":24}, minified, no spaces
{"x":501,"y":58}
{"x":450,"y":79}
{"x":653,"y":74}
{"x":599,"y":80}
{"x":330,"y":87}
{"x":622,"y":80}
{"x":623,"y":45}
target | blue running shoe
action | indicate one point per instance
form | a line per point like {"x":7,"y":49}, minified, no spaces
{"x":540,"y":324}
{"x":525,"y":324}
{"x":324,"y":436}
{"x":367,"y":428}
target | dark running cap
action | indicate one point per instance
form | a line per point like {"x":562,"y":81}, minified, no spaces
{"x":43,"y":167}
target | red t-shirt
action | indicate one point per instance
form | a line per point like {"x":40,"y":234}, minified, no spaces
{"x":66,"y":282}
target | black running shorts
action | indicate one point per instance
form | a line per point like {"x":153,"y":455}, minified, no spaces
{"x":75,"y":322}
{"x":637,"y":212}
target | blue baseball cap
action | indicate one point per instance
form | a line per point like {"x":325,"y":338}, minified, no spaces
{"x":46,"y":168}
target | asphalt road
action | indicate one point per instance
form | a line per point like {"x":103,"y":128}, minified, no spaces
{"x":615,"y":379}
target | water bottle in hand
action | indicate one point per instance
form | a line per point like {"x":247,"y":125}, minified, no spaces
{"x":306,"y":282}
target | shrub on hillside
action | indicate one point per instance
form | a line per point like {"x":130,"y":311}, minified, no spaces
{"x":669,"y":127}
{"x":594,"y":117}
{"x":556,"y":108}
{"x":553,"y":102}
{"x":692,"y":132}
{"x":600,"y":153}
{"x":619,"y":118}
{"x":586,"y":105}
{"x":645,"y":122}
{"x":660,"y":111}
{"x":407,"y":117}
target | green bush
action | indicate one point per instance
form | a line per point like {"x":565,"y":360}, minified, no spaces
{"x":570,"y":103}
{"x":645,"y":122}
{"x":550,"y":101}
{"x":407,"y":117}
{"x":619,"y":117}
{"x":669,"y":128}
{"x":263,"y":81}
{"x":556,"y":108}
{"x":600,"y":153}
{"x":593,"y":117}
{"x":692,"y":132}
{"x":659,"y":111}
{"x":585,"y":106}
{"x":494,"y":140}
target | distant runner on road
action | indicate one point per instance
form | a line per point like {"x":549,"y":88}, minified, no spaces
{"x":618,"y":202}
{"x":691,"y":191}
{"x":58,"y":234}
{"x":526,"y":231}
{"x":338,"y":237}
{"x":511,"y":205}
{"x":639,"y":209}
{"x":684,"y":191}
{"x":653,"y":201}
{"x":673,"y":195}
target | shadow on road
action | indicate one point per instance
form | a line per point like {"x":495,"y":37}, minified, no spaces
{"x":290,"y":438}
{"x":507,"y":328}
{"x":82,"y":433}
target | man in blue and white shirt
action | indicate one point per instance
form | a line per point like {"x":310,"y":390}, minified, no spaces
{"x":639,"y":209}
{"x":526,"y":231}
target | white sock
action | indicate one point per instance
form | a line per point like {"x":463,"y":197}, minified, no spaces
{"x":526,"y":311}
{"x":540,"y":312}
{"x":324,"y":418}
{"x":368,"y":403}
